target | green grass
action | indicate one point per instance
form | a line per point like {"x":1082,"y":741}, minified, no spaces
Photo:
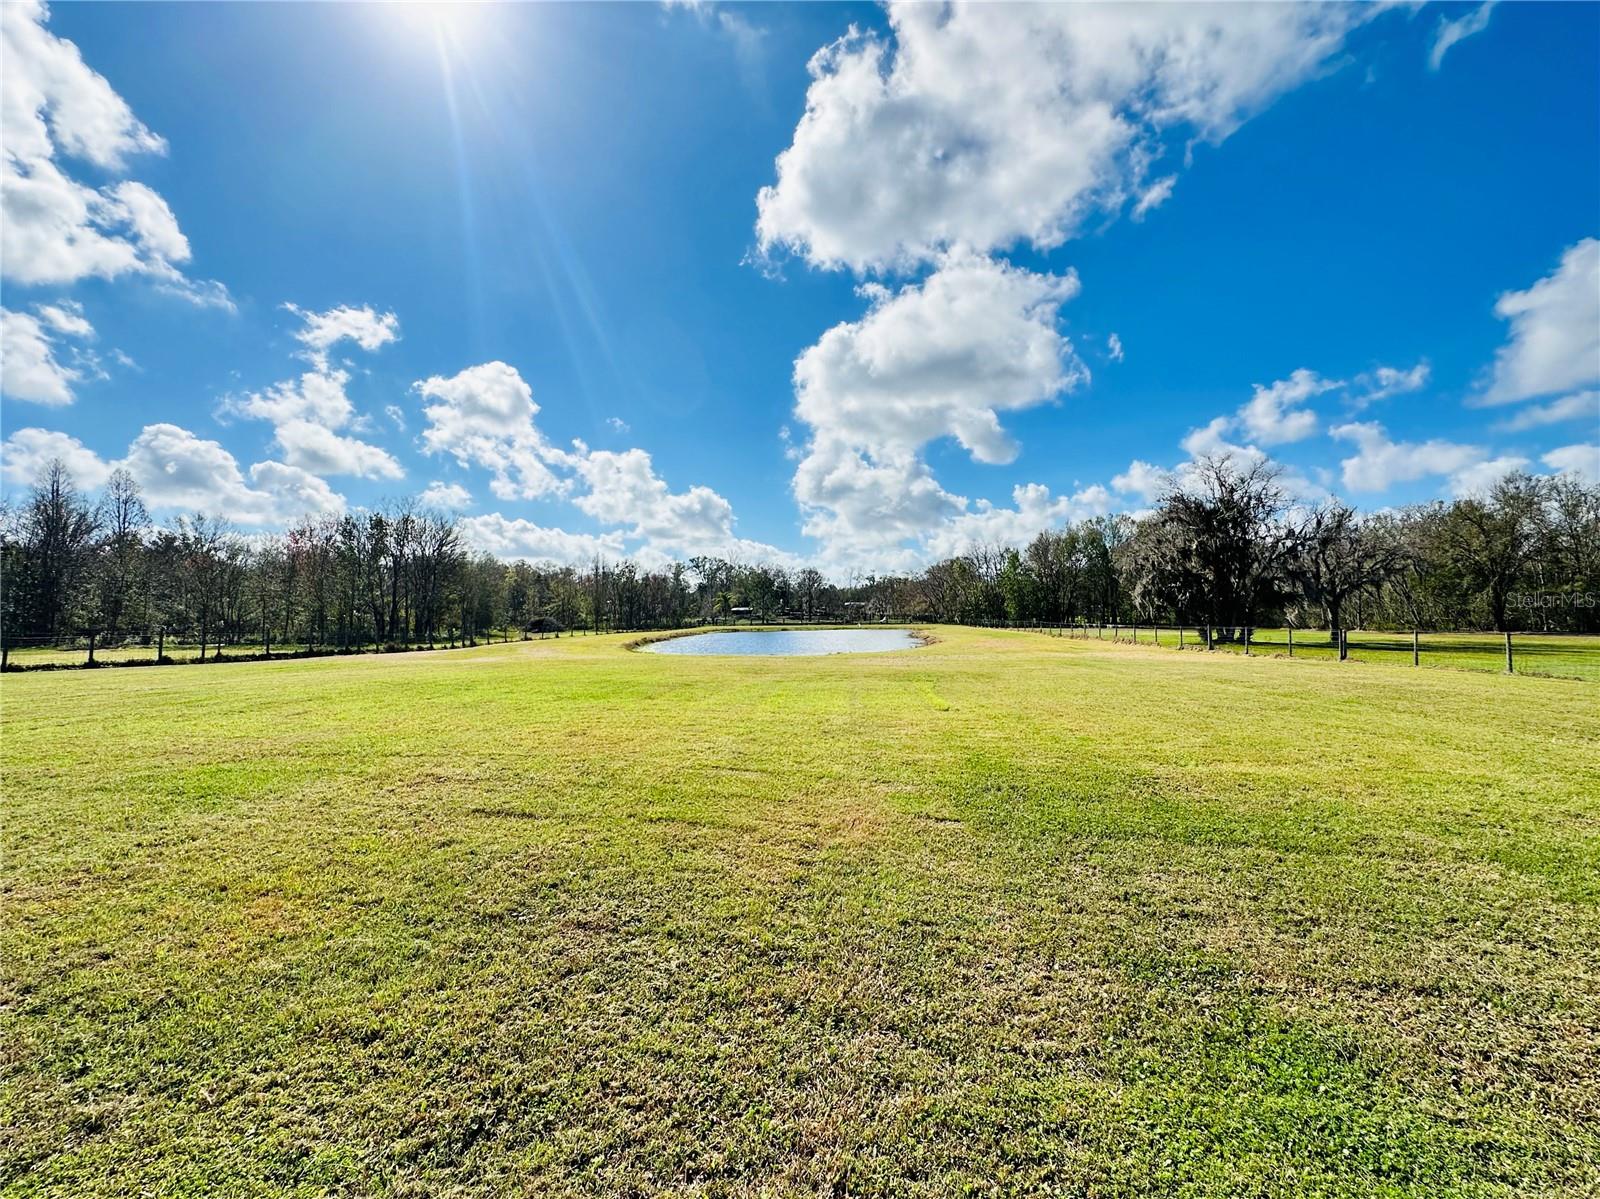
{"x":1009,"y":914}
{"x":1555,"y":655}
{"x":45,"y":655}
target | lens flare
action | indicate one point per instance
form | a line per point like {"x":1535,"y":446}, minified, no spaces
{"x":455,"y":25}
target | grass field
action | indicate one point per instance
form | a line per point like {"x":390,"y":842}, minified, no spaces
{"x":46,"y":655}
{"x":1009,"y":914}
{"x":1554,"y":655}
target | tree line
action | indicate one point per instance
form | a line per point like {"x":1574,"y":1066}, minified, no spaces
{"x":1223,"y":546}
{"x":72,"y":571}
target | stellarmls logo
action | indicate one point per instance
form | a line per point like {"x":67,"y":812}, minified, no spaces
{"x":1554,"y":599}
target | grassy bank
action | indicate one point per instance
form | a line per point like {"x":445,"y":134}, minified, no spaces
{"x":1552,"y":655}
{"x":1556,"y":655}
{"x":1007,"y":913}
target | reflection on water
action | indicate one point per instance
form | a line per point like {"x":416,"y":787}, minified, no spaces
{"x":788,"y":643}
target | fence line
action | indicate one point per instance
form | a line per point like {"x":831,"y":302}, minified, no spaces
{"x":85,"y":649}
{"x":78,"y":652}
{"x":1567,"y":655}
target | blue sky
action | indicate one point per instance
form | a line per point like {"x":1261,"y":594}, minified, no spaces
{"x":275,"y":257}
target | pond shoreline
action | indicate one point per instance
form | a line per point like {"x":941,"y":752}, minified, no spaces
{"x":788,"y":641}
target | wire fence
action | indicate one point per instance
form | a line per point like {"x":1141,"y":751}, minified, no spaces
{"x":83,"y":650}
{"x":86,"y":649}
{"x":1554,"y":655}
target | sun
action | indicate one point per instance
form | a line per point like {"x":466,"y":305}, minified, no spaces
{"x":455,"y":25}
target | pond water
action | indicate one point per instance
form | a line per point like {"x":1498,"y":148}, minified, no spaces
{"x":789,"y":643}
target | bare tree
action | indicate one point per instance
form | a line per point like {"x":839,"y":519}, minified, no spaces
{"x":1339,"y":557}
{"x":201,"y":568}
{"x":1492,"y":539}
{"x":124,"y":522}
{"x":58,"y":530}
{"x":1227,"y":544}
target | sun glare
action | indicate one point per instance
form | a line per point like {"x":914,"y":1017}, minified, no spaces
{"x":449,"y":24}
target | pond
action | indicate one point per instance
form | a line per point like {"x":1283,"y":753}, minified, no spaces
{"x":789,"y":643}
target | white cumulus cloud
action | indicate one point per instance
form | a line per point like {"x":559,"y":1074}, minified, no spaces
{"x":1387,"y":381}
{"x":26,"y":453}
{"x":1148,"y":482}
{"x":943,"y":358}
{"x":66,"y":317}
{"x":483,"y":416}
{"x":1579,"y":405}
{"x":1380,"y":463}
{"x":319,"y":450}
{"x":984,"y":126}
{"x":365,"y":326}
{"x":1580,"y":460}
{"x":1034,"y":509}
{"x":179,"y":472}
{"x":308,"y":412}
{"x":624,"y":489}
{"x":449,"y":496}
{"x":29,"y":366}
{"x":1480,"y":477}
{"x":1210,"y":440}
{"x":1143,"y":480}
{"x":182,"y":472}
{"x":1275,"y":415}
{"x":1555,"y":331}
{"x":57,"y":229}
{"x":290,"y":492}
{"x":314,"y":396}
{"x":514,"y":538}
{"x":864,"y":510}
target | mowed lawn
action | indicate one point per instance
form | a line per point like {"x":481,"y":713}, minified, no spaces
{"x":1009,"y":914}
{"x":1557,"y":655}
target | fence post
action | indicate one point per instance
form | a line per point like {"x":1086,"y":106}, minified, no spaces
{"x":1247,"y":641}
{"x":1208,"y":637}
{"x":1155,"y":633}
{"x":1180,"y":636}
{"x":1339,"y":642}
{"x":1416,"y":648}
{"x":1291,"y":641}
{"x":1509,"y":669}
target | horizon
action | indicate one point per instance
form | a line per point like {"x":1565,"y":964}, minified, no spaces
{"x":782,"y":283}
